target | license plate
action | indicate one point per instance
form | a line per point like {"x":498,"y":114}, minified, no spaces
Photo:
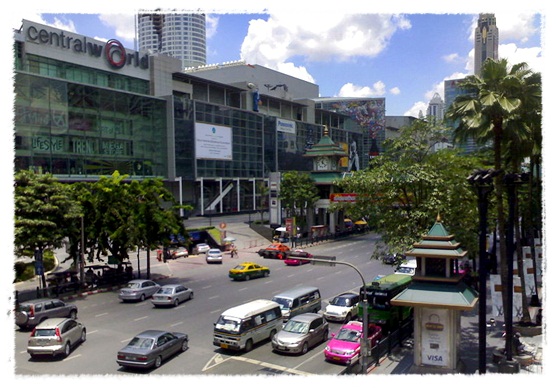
{"x":224,"y":346}
{"x":336,"y":358}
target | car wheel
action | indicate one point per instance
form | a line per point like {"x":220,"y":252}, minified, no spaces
{"x":249,"y":345}
{"x":191,"y":296}
{"x":176,"y":302}
{"x":158,"y":362}
{"x":83,"y":336}
{"x":67,"y":349}
{"x":272,"y":334}
{"x":184,"y":345}
{"x":325,"y":336}
{"x":304,"y":348}
{"x":142,"y":298}
{"x":348,"y":317}
{"x":247,"y":277}
{"x":266,"y":274}
{"x":73,"y":314}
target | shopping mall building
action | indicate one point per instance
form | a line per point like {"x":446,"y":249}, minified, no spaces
{"x":85,"y":108}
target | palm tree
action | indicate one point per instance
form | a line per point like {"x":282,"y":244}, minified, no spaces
{"x":493,"y":113}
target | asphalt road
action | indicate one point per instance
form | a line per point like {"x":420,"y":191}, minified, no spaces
{"x":111,"y":323}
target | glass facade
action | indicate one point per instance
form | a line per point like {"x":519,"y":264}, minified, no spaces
{"x":66,"y":126}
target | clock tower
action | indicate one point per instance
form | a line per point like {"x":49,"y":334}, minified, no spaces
{"x":326,"y":155}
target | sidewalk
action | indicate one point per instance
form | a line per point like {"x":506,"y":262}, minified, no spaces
{"x":401,"y":360}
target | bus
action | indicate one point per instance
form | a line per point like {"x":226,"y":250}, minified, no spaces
{"x":240,"y":327}
{"x":379,"y":293}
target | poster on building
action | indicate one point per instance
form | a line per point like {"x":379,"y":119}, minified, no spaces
{"x":434,"y":332}
{"x":213,"y":142}
{"x":497,"y":297}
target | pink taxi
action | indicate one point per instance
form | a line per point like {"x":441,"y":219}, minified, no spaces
{"x":345,"y":345}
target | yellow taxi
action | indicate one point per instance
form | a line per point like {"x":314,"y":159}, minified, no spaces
{"x":248,"y":270}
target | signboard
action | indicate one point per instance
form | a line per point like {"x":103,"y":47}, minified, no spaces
{"x":213,"y":142}
{"x":434,"y":329}
{"x":285,"y":126}
{"x":343,"y":197}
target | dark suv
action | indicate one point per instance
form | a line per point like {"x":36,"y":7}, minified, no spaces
{"x":30,"y":313}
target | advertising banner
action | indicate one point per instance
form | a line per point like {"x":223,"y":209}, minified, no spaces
{"x":213,"y":142}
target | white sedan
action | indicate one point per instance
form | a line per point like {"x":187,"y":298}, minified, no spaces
{"x":214,"y":255}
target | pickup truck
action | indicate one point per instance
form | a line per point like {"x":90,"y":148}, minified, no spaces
{"x":274,"y":251}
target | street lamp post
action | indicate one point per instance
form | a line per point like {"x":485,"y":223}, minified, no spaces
{"x":482,"y":181}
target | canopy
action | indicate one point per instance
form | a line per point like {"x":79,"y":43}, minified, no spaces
{"x":281,"y":229}
{"x":229,"y":239}
{"x":360,"y":222}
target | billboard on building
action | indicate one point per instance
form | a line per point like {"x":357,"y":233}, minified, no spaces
{"x":213,"y":142}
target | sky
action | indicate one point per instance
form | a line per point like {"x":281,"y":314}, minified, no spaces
{"x":348,"y":52}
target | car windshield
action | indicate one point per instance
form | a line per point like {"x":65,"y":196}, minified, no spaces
{"x":133,"y":285}
{"x":349,"y":335}
{"x":283,"y":302}
{"x":142,"y":343}
{"x":405,"y":270}
{"x":240,"y":267}
{"x":166,"y":290}
{"x":341,"y":301}
{"x":228,"y":323}
{"x":296,"y":327}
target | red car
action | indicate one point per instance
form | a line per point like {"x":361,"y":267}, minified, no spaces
{"x":297,"y":257}
{"x":274,"y":251}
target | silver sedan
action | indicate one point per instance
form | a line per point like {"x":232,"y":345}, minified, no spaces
{"x":138,"y":289}
{"x":149,"y":348}
{"x":172,"y":295}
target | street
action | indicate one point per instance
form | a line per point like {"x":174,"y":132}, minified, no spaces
{"x":111,"y":324}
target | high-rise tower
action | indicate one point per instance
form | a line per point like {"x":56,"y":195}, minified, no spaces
{"x":181,"y":36}
{"x":486,"y":40}
{"x":435,"y":110}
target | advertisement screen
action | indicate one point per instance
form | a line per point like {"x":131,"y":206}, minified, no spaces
{"x":213,"y":142}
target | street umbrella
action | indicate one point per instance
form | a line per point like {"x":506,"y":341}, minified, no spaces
{"x":360,"y":222}
{"x":229,"y":239}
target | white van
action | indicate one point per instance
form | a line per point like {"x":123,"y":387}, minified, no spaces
{"x":243,"y":326}
{"x":407,"y":267}
{"x":298,"y":301}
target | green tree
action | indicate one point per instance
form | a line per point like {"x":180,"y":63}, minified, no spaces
{"x":44,"y":208}
{"x":297,"y":193}
{"x":122,"y":215}
{"x":493,"y":113}
{"x":405,"y":189}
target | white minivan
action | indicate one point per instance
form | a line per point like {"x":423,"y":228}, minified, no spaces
{"x":407,"y":267}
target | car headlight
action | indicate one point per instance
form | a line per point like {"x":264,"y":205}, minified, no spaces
{"x":350,"y":352}
{"x":327,"y":348}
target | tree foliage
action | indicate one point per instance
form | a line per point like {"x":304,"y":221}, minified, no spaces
{"x":407,"y":187}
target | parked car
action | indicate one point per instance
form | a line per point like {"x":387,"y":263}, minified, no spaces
{"x":248,"y":270}
{"x":171,"y":295}
{"x":202,"y":248}
{"x":344,"y":347}
{"x":392,"y":258}
{"x":149,"y":348}
{"x":274,"y":251}
{"x":297,"y":257}
{"x":56,"y":336}
{"x":301,"y":333}
{"x":31,"y":313}
{"x":176,"y":253}
{"x":342,"y":307}
{"x":214,"y":255}
{"x":138,"y":290}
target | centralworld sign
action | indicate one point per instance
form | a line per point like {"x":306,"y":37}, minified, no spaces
{"x":113,"y":51}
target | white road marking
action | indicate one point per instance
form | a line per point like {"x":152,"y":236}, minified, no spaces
{"x":141,"y":318}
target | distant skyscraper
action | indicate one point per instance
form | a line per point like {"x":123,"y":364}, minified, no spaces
{"x":435,"y":110}
{"x":181,"y":36}
{"x":486,"y":40}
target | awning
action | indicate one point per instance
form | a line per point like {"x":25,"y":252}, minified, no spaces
{"x":456,"y":296}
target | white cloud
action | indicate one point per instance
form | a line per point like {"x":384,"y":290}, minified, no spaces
{"x":452,"y":58}
{"x":419,"y":108}
{"x":350,"y":90}
{"x":211,"y":25}
{"x":123,"y":25}
{"x":325,"y":37}
{"x":395,"y":90}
